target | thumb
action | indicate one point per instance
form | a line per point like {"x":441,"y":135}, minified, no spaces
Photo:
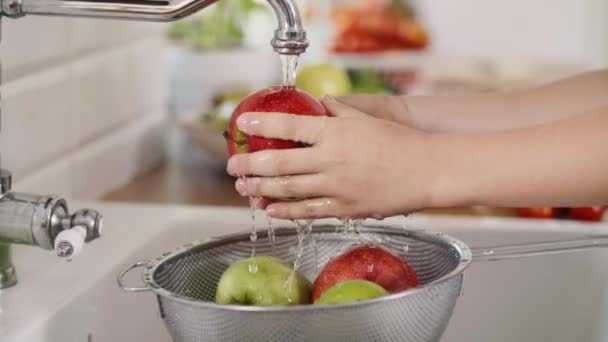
{"x":338,"y":109}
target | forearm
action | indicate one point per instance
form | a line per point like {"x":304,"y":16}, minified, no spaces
{"x":492,"y":112}
{"x":556,"y":164}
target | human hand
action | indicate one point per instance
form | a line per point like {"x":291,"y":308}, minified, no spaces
{"x":357,"y":166}
{"x":388,"y":107}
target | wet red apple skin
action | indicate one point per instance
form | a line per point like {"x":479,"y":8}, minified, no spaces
{"x":367,"y":262}
{"x":281,"y":99}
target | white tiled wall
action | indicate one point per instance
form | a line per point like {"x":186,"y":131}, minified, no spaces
{"x":34,"y":121}
{"x":84,"y":103}
{"x":32,"y":43}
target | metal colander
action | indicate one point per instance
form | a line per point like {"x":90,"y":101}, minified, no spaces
{"x":185,"y":283}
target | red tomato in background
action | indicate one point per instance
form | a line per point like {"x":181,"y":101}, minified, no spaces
{"x":594,"y":214}
{"x":365,"y":30}
{"x":540,"y":212}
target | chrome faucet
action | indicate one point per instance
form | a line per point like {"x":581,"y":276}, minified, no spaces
{"x":289,"y":37}
{"x":44,"y":221}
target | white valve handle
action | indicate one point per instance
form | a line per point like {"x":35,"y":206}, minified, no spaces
{"x":70,"y":242}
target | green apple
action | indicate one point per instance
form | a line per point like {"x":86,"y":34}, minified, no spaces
{"x":262,"y":281}
{"x":323,"y":79}
{"x":366,"y":81}
{"x":351,"y":291}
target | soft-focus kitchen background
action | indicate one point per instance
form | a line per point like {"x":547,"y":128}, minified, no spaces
{"x":115,"y":110}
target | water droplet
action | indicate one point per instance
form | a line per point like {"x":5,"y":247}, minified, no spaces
{"x":254,"y":235}
{"x":303,"y":229}
{"x":348,"y":223}
{"x":289,"y":285}
{"x":253,"y":267}
{"x":370,"y":268}
{"x":316,"y":253}
{"x":488,"y":252}
{"x":357,"y":228}
{"x":271,"y":234}
{"x":406,"y":249}
{"x":406,"y":221}
{"x":352,"y":227}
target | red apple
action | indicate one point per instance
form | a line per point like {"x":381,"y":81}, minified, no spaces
{"x":538,"y":212}
{"x":367,"y":262}
{"x":588,"y":213}
{"x":280,"y":99}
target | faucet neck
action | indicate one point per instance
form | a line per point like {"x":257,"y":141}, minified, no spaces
{"x":289,"y":37}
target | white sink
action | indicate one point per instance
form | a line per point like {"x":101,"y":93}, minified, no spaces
{"x":550,"y":298}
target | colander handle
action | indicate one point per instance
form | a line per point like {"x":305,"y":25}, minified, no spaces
{"x":120,"y":278}
{"x":539,"y":248}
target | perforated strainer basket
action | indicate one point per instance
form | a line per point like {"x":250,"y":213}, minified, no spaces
{"x":185,"y":280}
{"x":185,"y":283}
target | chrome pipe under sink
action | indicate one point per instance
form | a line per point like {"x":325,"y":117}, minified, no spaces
{"x":42,"y":221}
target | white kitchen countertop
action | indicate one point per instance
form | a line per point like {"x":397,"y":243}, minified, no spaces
{"x":46,"y":283}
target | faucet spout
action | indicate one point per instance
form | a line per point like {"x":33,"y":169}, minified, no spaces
{"x":290,"y":37}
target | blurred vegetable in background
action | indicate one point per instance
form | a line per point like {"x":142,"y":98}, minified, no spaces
{"x":592,"y":214}
{"x":219,"y":27}
{"x":368,"y":82}
{"x":374,"y":26}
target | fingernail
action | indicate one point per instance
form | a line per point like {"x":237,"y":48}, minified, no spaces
{"x":232,"y":166}
{"x":241,"y":187}
{"x":327,"y":98}
{"x":271,"y":210}
{"x":243,"y":122}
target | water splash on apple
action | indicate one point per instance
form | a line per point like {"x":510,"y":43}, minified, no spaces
{"x":282,"y":99}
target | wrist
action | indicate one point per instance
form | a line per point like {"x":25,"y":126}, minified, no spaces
{"x":452,"y":182}
{"x":417,"y":112}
